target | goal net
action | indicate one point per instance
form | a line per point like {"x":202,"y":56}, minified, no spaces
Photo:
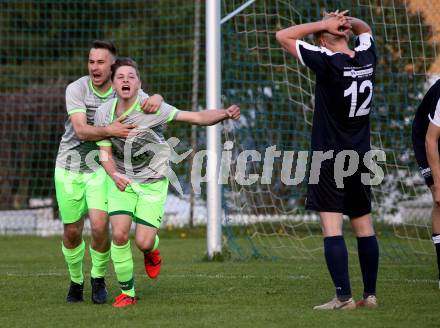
{"x":267,"y":218}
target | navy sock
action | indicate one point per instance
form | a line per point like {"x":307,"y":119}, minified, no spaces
{"x":368,"y":251}
{"x":436,"y":241}
{"x":336,"y":256}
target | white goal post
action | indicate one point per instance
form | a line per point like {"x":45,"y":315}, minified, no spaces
{"x":213,"y":94}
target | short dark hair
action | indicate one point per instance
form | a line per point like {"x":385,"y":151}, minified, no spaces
{"x":125,"y":61}
{"x":100,"y":44}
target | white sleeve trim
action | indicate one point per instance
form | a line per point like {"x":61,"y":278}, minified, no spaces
{"x":299,"y":52}
{"x":436,"y":119}
{"x":311,"y":47}
{"x":436,"y":239}
{"x":364,"y":42}
{"x":433,"y":121}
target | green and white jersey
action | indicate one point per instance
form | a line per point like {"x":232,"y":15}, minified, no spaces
{"x":144,"y":156}
{"x":74,"y":154}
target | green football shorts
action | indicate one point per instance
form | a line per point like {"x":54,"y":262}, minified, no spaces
{"x":144,"y":202}
{"x":77,"y":192}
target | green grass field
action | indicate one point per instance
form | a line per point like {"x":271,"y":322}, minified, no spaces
{"x":191,"y":292}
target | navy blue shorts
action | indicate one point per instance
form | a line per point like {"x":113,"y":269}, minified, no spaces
{"x":354,"y":199}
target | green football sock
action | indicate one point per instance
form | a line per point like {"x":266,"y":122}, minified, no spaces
{"x":99,"y":263}
{"x":156,"y":244}
{"x":74,"y":259}
{"x":123,"y":263}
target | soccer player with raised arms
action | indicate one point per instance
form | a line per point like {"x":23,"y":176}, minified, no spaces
{"x":137,"y":167}
{"x":343,"y":95}
{"x":425,"y":135}
{"x":80,"y":185}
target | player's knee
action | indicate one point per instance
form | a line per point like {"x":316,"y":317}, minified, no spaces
{"x":364,"y":231}
{"x":72,"y":232}
{"x":331,"y":232}
{"x":120,"y":237}
{"x":435,"y":214}
{"x":99,"y":229}
{"x":145,"y":243}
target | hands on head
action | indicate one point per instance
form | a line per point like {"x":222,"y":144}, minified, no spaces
{"x":337,"y":23}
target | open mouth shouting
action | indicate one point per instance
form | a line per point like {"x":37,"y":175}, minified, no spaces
{"x":97,"y":78}
{"x":125,"y":89}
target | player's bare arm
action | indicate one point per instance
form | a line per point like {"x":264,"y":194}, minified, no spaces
{"x":432,"y":154}
{"x":152,"y":104}
{"x":88,"y":132}
{"x":336,"y":25}
{"x":208,"y":117}
{"x":358,"y":26}
{"x":107,"y":162}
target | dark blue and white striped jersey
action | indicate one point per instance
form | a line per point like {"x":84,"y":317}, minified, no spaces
{"x":343,"y":94}
{"x":428,"y":111}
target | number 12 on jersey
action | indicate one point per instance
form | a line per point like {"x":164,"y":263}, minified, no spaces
{"x":364,"y":109}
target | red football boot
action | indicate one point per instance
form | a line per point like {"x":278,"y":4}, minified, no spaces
{"x":124,"y":300}
{"x":152,"y":262}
